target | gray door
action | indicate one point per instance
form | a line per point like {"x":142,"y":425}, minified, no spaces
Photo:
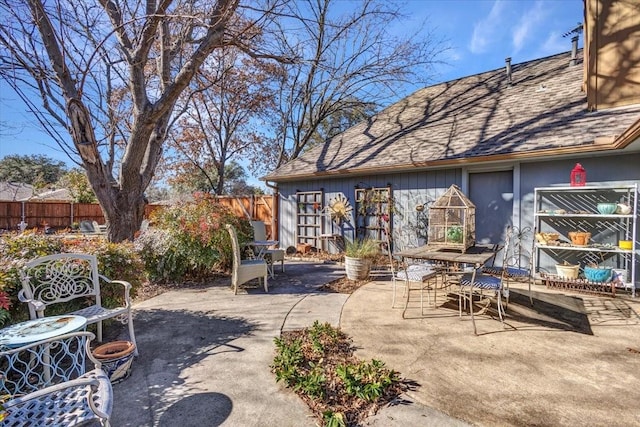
{"x":492,"y":193}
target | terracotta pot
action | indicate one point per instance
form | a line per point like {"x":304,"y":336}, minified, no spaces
{"x":580,"y":238}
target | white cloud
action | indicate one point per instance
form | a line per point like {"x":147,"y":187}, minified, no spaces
{"x":529,"y":24}
{"x":485,"y":31}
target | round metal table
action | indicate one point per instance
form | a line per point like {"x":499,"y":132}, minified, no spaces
{"x":40,"y":329}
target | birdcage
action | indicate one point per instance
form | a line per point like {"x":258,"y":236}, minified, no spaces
{"x":452,"y":221}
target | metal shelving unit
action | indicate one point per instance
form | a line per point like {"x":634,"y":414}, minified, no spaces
{"x":565,"y":209}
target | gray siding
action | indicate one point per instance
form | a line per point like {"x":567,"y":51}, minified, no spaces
{"x":408,"y":190}
{"x":416,"y":188}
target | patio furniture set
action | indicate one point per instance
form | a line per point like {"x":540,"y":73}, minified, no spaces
{"x":465,"y":272}
{"x":263,"y":255}
{"x":48,"y":373}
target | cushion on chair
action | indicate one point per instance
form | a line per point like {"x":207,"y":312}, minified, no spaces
{"x":511,"y":271}
{"x":482,"y":281}
{"x":415,"y":273}
{"x":517,"y":272}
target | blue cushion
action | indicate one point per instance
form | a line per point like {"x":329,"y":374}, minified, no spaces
{"x":517,"y":272}
{"x":482,"y":281}
{"x":511,"y":271}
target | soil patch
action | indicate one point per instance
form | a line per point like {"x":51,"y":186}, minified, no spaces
{"x":318,"y":363}
{"x":343,"y":285}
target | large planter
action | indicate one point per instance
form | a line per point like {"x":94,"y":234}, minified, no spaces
{"x":357,"y":268}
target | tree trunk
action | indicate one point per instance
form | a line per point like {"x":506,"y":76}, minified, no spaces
{"x":122,"y":202}
{"x":125,"y":216}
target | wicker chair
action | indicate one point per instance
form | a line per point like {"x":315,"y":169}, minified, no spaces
{"x":50,"y":384}
{"x":58,"y":278}
{"x":245,"y":269}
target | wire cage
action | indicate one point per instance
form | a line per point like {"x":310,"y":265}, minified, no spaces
{"x":452,"y":221}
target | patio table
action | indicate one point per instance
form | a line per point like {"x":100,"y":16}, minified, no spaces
{"x":475,"y":255}
{"x":261,"y":247}
{"x":40,"y":329}
{"x":43,"y":328}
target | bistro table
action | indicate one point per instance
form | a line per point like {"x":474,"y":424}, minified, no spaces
{"x":261,"y":247}
{"x":475,"y":255}
{"x":40,"y":329}
{"x":35,"y":330}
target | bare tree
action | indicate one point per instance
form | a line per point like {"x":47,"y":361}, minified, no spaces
{"x":224,"y":118}
{"x":348,"y":60}
{"x":109,"y":73}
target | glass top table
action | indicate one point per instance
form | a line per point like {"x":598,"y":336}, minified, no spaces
{"x":40,"y":329}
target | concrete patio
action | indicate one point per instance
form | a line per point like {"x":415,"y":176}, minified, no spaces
{"x":205,"y":355}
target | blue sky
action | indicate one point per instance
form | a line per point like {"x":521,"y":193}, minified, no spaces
{"x":481,"y":33}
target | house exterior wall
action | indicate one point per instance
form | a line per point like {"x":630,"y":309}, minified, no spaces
{"x":612,"y":68}
{"x":417,"y":188}
{"x":408,"y":191}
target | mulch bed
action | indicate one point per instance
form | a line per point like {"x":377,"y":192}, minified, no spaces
{"x":343,"y":285}
{"x":352,"y":409}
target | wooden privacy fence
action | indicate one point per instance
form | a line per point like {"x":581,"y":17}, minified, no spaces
{"x":58,"y":215}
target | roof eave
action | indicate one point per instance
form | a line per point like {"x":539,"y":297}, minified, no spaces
{"x":598,"y":145}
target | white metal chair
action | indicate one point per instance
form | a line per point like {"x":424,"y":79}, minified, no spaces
{"x":489,"y":282}
{"x":271,"y":255}
{"x":421,"y":275}
{"x":515,"y":269}
{"x":58,"y":278}
{"x":49,"y":384}
{"x":245,"y":269}
{"x":416,"y":277}
{"x":87,"y":227}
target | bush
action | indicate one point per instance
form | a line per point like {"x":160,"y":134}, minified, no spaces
{"x":362,"y":248}
{"x":318,"y":364}
{"x":115,"y":261}
{"x":189,"y":240}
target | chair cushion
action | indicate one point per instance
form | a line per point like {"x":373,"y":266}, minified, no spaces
{"x":518,"y":272}
{"x":415,"y":274}
{"x":482,"y":281}
{"x":511,"y":271}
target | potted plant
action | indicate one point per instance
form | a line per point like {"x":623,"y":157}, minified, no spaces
{"x":357,"y":257}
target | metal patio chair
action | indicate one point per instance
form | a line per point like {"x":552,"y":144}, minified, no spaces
{"x":48,"y":383}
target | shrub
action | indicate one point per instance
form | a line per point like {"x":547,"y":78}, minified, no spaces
{"x":189,"y":240}
{"x":318,"y":364}
{"x":115,"y":261}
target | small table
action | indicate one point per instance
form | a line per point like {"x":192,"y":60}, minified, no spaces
{"x":262,"y":246}
{"x":40,"y":329}
{"x":476,"y":255}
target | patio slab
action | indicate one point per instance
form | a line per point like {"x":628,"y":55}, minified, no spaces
{"x":205,"y":356}
{"x":568,"y":360}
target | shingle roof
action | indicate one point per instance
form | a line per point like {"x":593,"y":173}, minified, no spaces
{"x":476,"y":118}
{"x":15,"y":191}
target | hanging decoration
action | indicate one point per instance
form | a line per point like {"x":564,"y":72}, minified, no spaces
{"x":340,"y":209}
